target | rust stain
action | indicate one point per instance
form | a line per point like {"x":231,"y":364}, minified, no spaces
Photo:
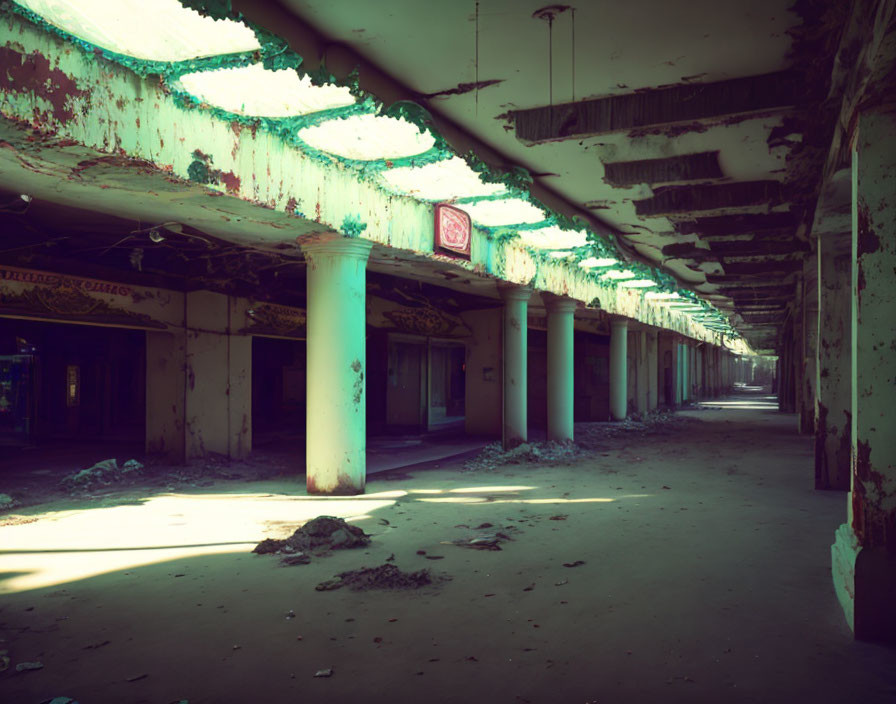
{"x":867,"y":241}
{"x":32,"y":73}
{"x":231,"y":182}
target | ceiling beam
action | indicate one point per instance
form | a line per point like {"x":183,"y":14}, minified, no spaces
{"x":671,"y":200}
{"x":660,"y":106}
{"x":701,"y":166}
{"x":740,"y":224}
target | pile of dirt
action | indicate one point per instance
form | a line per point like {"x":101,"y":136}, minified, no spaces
{"x":543,"y":453}
{"x":103,"y":473}
{"x":381,"y":577}
{"x":317,"y":537}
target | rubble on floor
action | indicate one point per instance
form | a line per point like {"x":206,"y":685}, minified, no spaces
{"x":481,"y":541}
{"x":103,"y":474}
{"x":317,"y":537}
{"x":386,"y":576}
{"x":546,"y":453}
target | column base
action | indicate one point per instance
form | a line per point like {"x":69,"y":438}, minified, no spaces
{"x":865,"y":581}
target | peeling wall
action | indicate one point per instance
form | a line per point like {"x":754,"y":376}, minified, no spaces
{"x":62,"y":91}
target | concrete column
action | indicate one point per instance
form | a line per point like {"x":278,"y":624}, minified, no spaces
{"x":336,"y":424}
{"x":516,"y":299}
{"x":641,"y":369}
{"x":652,"y":371}
{"x":679,"y":372}
{"x":618,"y":368}
{"x":864,"y":551}
{"x":199,"y":382}
{"x":833,"y":402}
{"x":482,"y":381}
{"x":810,"y":343}
{"x":166,"y":394}
{"x":561,"y":365}
{"x":698,"y":374}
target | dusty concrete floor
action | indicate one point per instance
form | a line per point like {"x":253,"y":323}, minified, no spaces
{"x":706,"y":579}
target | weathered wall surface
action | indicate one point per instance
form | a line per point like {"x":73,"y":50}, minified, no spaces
{"x":83,"y":98}
{"x":484,"y":392}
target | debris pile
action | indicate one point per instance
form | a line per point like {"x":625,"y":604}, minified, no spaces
{"x":382,"y":577}
{"x":317,"y":537}
{"x":544,"y":453}
{"x":103,"y":474}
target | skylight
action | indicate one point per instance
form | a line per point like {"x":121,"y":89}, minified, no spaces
{"x":660,"y":296}
{"x":508,"y":211}
{"x":619,"y":275}
{"x":161,"y":30}
{"x":638,"y":283}
{"x":257,"y":91}
{"x":554,"y":238}
{"x":442,"y":180}
{"x":368,"y":137}
{"x":594,"y":262}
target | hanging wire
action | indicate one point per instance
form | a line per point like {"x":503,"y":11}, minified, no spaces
{"x":551,"y":60}
{"x":573,"y":54}
{"x":476,"y":94}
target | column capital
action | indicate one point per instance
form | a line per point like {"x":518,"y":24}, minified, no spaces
{"x":514,"y":292}
{"x":335,"y":244}
{"x":559,"y":304}
{"x":619,"y":323}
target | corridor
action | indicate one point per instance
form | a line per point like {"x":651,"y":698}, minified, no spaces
{"x":705,"y":577}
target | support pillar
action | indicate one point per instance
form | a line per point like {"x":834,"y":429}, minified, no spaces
{"x":864,"y":551}
{"x":199,"y":383}
{"x":166,"y":394}
{"x":808,"y":388}
{"x":618,"y":368}
{"x":652,"y":371}
{"x":833,"y":402}
{"x":516,"y":300}
{"x":336,"y":425}
{"x":561,"y":365}
{"x":641,"y":372}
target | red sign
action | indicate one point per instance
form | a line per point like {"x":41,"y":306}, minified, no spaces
{"x":453,"y":230}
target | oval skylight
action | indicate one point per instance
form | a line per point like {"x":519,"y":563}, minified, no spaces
{"x":507,"y":211}
{"x":638,"y":283}
{"x":442,"y":180}
{"x":257,"y":91}
{"x":594,"y":262}
{"x":368,"y":137}
{"x":619,"y":275}
{"x":161,"y":30}
{"x":554,"y":238}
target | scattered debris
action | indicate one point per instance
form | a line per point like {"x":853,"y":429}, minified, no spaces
{"x":26,"y":666}
{"x":561,"y":582}
{"x":487,"y":541}
{"x":544,"y":453}
{"x":324,"y":673}
{"x":574,"y":564}
{"x":381,"y":577}
{"x":290,"y":614}
{"x":559,"y":517}
{"x":137,"y":678}
{"x":317,"y":537}
{"x":102,"y":474}
{"x":297,"y":559}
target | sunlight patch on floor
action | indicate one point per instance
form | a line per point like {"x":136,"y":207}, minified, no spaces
{"x":77,"y":544}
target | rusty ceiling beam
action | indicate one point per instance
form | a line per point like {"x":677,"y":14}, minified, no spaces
{"x":671,"y":200}
{"x":660,"y":106}
{"x":701,"y":166}
{"x":741,"y":224}
{"x":757,"y":247}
